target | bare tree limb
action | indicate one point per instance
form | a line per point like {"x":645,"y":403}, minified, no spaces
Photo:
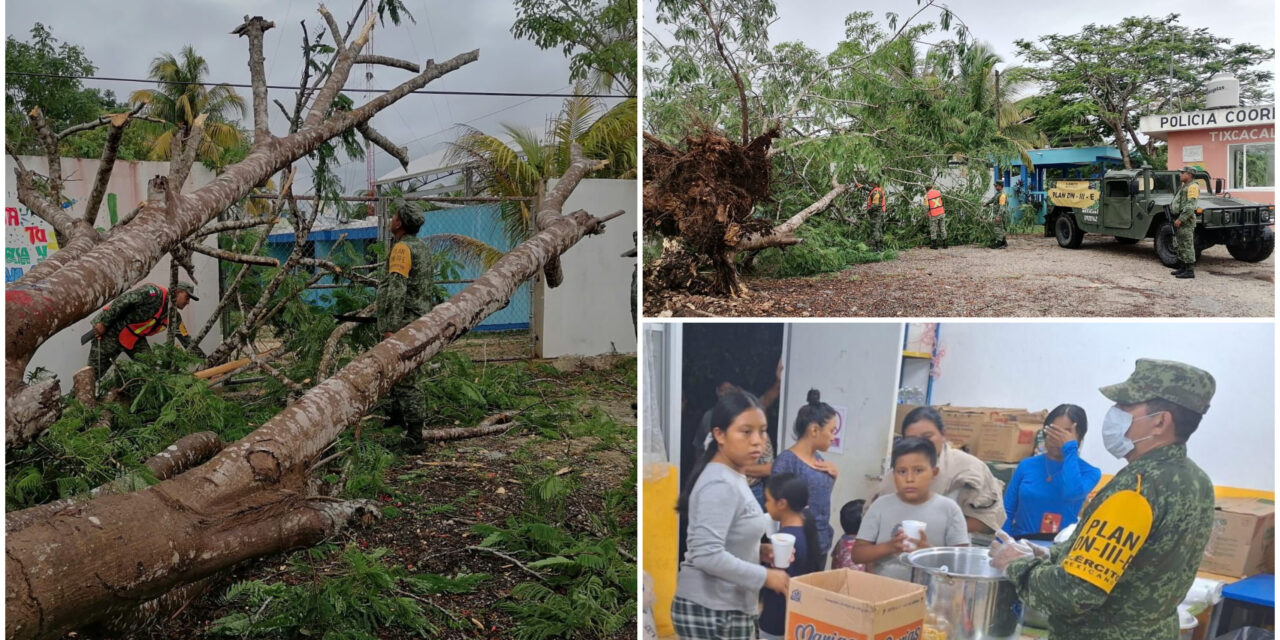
{"x":106,"y":164}
{"x":491,"y":425}
{"x":108,"y":119}
{"x":397,"y":152}
{"x":341,"y":69}
{"x":180,"y":168}
{"x":339,"y":42}
{"x":231,"y":256}
{"x":330,"y":350}
{"x":254,"y":28}
{"x":783,"y":234}
{"x":551,"y":206}
{"x":50,"y":142}
{"x":229,"y":225}
{"x":387,"y":61}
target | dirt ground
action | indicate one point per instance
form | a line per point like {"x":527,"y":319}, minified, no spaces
{"x":458,"y":484}
{"x":1033,"y":277}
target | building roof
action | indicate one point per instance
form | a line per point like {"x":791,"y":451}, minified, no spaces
{"x":1071,"y":156}
{"x":431,"y":163}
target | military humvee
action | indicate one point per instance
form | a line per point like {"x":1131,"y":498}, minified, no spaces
{"x":1133,"y":204}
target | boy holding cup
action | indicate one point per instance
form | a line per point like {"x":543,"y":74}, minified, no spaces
{"x":910,"y":518}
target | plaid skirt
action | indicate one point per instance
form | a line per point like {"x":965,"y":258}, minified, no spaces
{"x":696,"y":622}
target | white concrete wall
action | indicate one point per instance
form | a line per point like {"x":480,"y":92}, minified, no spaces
{"x":590,"y":313}
{"x":855,"y":366}
{"x":1041,"y":365}
{"x":63,"y":354}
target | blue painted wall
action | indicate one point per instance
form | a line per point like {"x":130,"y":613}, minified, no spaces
{"x":481,"y":222}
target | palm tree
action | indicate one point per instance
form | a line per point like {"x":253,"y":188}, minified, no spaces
{"x":517,"y":168}
{"x":180,"y":98}
{"x":977,"y":78}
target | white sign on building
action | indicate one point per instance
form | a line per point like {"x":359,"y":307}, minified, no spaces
{"x":1209,"y":119}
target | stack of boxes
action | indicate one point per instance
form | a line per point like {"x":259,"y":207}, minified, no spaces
{"x":990,"y":434}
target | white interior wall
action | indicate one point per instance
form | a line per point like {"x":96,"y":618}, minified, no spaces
{"x":854,"y":366}
{"x":590,"y":313}
{"x":63,"y":354}
{"x":1041,"y":365}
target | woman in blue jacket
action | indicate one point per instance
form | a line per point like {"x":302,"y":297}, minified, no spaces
{"x":1048,"y":490}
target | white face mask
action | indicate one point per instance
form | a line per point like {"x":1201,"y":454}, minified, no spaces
{"x":1115,"y":429}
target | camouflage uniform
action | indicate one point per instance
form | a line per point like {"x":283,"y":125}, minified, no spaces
{"x":999,"y":204}
{"x":404,"y":295}
{"x":633,"y":253}
{"x":1184,"y":239}
{"x":133,"y":308}
{"x":1143,"y":599}
{"x":938,"y":222}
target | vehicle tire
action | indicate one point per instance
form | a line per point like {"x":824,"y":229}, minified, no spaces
{"x":1128,"y":240}
{"x":1164,"y":245}
{"x":1068,"y":232}
{"x":1255,"y":251}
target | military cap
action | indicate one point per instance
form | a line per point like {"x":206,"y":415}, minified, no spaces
{"x":1176,"y":382}
{"x":188,"y":287}
{"x":409,"y":214}
{"x":1191,"y":170}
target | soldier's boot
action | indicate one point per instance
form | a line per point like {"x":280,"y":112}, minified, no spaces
{"x":933,"y":244}
{"x":1189,"y":272}
{"x":944,"y":243}
{"x":1182,"y":266}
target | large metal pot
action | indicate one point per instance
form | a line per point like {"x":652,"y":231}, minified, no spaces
{"x":966,"y":597}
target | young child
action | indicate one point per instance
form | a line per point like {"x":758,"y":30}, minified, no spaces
{"x":850,"y":520}
{"x":881,"y":538}
{"x":786,"y":499}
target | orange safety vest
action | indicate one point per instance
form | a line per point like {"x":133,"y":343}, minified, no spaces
{"x":933,"y":200}
{"x":876,"y":199}
{"x":130,"y":334}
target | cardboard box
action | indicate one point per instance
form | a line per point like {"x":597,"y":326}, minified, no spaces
{"x":1009,"y":435}
{"x":852,"y":605}
{"x":963,"y":426}
{"x":899,"y":414}
{"x":1243,"y":539}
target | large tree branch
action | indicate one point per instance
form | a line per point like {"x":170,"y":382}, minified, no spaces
{"x":107,"y":163}
{"x":733,"y":70}
{"x":50,"y":143}
{"x":180,"y":167}
{"x":338,"y":77}
{"x":254,"y":28}
{"x":553,"y":204}
{"x":397,"y":152}
{"x":231,"y":256}
{"x":387,"y":61}
{"x":783,"y":234}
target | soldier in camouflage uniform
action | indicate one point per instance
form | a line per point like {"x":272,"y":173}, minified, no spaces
{"x":1184,"y":235}
{"x":124,"y":324}
{"x":1135,"y":552}
{"x":634,"y":270}
{"x":999,"y":204}
{"x":404,"y":295}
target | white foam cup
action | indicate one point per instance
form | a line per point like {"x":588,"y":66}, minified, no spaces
{"x":913,"y":529}
{"x":783,"y":545}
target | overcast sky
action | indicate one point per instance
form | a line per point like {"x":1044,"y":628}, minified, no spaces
{"x":122,"y":38}
{"x":819,"y":24}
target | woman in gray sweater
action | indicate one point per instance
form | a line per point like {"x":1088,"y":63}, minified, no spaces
{"x":717,"y":590}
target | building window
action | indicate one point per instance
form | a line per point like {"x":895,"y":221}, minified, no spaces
{"x":1253,"y":166}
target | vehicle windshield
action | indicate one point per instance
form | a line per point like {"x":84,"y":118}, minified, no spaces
{"x":1158,"y":183}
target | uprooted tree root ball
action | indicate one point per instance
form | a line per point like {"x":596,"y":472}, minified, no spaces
{"x":704,"y":195}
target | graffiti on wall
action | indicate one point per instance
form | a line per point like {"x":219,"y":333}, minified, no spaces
{"x":28,"y":241}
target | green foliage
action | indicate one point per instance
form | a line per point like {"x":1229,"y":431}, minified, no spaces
{"x":365,"y":470}
{"x":74,"y":456}
{"x":363,"y":596}
{"x":588,"y":589}
{"x":828,"y":246}
{"x":181,"y":97}
{"x":63,"y":101}
{"x":598,"y":38}
{"x":1101,"y":80}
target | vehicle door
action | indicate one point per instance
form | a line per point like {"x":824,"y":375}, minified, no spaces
{"x":1117,"y":202}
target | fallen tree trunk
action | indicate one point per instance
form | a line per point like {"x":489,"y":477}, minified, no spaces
{"x":74,"y":568}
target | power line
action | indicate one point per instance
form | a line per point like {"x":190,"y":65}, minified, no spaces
{"x":291,"y":88}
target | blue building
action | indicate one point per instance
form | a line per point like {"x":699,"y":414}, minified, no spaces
{"x":1030,"y":185}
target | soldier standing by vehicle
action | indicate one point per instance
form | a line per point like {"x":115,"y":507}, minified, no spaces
{"x":1159,"y":508}
{"x":999,"y":208}
{"x":937,"y":218}
{"x":125,"y":323}
{"x":404,"y":295}
{"x":1184,"y":239}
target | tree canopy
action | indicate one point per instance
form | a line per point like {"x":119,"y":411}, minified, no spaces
{"x":1099,"y":82}
{"x":599,"y":38}
{"x":63,"y":100}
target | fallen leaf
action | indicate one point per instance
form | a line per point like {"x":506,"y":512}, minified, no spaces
{"x":501,"y":490}
{"x":564,"y":471}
